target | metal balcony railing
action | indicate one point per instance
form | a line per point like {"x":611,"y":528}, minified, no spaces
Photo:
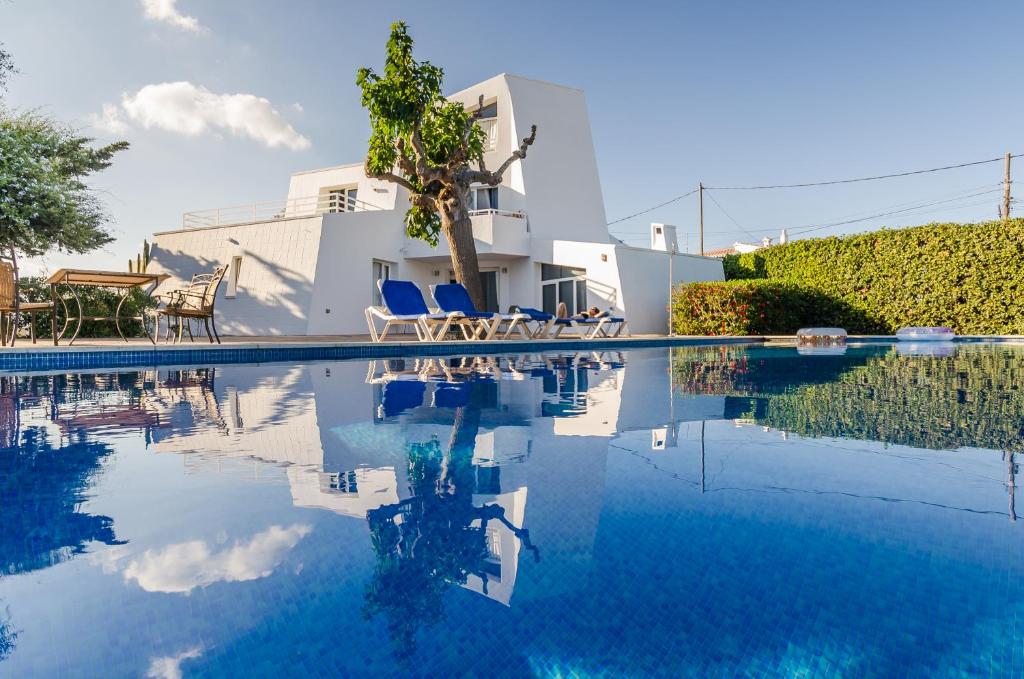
{"x":309,"y":206}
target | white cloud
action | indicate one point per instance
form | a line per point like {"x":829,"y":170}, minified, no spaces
{"x":165,"y":11}
{"x":169,"y":667}
{"x":183,"y":567}
{"x":109,"y":120}
{"x":298,"y":107}
{"x":193,"y":110}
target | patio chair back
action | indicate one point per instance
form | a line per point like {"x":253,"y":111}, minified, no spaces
{"x":454,"y":297}
{"x":210,"y":294}
{"x":8,"y":286}
{"x":402,"y":298}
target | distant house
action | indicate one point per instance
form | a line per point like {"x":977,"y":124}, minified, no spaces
{"x":739,"y":247}
{"x":309,"y":265}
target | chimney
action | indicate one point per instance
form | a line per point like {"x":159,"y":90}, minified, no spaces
{"x":783,"y":237}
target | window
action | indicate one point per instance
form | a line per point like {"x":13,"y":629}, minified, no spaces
{"x":483,"y":198}
{"x":381,"y":272}
{"x":342,"y":483}
{"x":339,"y":199}
{"x":233,"y":271}
{"x":488,"y":122}
{"x":563,"y":284}
{"x":489,"y":280}
{"x":490,"y":111}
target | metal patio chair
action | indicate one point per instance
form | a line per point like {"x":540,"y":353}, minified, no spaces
{"x":196,"y":302}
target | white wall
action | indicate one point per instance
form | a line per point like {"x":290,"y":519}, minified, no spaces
{"x":559,"y":175}
{"x":343,"y":279}
{"x":372,"y":192}
{"x":275,"y":280}
{"x":644,"y":277}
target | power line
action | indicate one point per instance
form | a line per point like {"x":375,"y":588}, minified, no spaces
{"x":651,"y":209}
{"x":811,"y":184}
{"x":719,"y":205}
{"x":809,"y":228}
{"x":860,"y":179}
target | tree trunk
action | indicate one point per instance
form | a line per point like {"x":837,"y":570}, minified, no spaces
{"x":458,"y":229}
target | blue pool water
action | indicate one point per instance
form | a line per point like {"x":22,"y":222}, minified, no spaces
{"x":703,"y":511}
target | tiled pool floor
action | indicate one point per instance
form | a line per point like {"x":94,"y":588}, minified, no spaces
{"x":697,"y":511}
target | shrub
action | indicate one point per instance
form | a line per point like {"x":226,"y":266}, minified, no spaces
{"x":967,"y":276}
{"x":753,"y":307}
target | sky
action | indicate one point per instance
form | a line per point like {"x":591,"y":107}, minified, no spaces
{"x":223,"y":101}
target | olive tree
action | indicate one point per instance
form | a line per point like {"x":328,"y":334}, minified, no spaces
{"x":45,"y":203}
{"x":433,"y":148}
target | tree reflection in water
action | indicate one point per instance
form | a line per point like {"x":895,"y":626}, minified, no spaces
{"x":43,"y":484}
{"x":436,"y":537}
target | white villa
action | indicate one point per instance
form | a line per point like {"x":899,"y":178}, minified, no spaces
{"x":308,"y":265}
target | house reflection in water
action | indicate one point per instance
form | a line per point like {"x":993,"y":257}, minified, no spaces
{"x":500,"y":444}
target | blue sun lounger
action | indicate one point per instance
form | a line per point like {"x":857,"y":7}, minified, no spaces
{"x":454,"y":298}
{"x":404,"y":305}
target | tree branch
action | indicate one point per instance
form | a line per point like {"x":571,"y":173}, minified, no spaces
{"x":518,"y":154}
{"x":423,"y":200}
{"x":391,"y":177}
{"x":426,"y":172}
{"x":405,"y":163}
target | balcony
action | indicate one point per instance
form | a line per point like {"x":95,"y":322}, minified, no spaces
{"x":253,"y":213}
{"x":497,"y":232}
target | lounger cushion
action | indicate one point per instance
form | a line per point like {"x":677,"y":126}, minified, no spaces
{"x":455,"y":297}
{"x":535,"y":314}
{"x":403,"y":298}
{"x":402,"y":395}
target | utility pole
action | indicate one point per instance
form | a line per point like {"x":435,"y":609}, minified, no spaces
{"x":1006,"y":189}
{"x":700,"y":192}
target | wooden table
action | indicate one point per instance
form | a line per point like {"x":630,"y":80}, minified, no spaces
{"x":88,"y":278}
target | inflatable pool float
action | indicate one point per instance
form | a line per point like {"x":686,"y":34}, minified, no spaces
{"x":930,"y":334}
{"x":926,"y":349}
{"x":821,"y":349}
{"x":817,"y":337}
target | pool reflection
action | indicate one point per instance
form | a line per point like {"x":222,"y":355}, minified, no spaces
{"x":521,"y":483}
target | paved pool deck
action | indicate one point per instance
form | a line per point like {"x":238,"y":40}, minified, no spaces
{"x":114,"y":353}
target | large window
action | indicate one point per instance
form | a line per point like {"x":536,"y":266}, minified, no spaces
{"x":381,"y":272}
{"x":340,"y":199}
{"x":483,"y":198}
{"x":563,"y":284}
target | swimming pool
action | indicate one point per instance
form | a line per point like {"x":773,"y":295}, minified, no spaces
{"x":694,"y":511}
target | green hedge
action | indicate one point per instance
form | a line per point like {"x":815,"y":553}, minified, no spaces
{"x":754,"y":307}
{"x":967,"y":276}
{"x":974,"y":398}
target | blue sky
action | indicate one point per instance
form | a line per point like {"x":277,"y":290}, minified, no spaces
{"x":726,"y":93}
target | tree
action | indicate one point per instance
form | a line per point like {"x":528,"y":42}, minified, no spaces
{"x":427,"y":144}
{"x":6,"y":67}
{"x":45,"y":203}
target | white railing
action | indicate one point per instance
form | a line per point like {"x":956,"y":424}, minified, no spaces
{"x":518,"y":214}
{"x":309,"y":206}
{"x":514,"y":214}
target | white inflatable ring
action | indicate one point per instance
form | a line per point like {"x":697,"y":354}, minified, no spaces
{"x":929,"y":334}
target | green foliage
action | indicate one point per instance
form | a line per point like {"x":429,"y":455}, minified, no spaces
{"x":752,"y":308}
{"x":973,"y":398}
{"x":45,"y":203}
{"x":405,"y":99}
{"x":6,"y":67}
{"x":735,"y":269}
{"x":966,"y":276}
